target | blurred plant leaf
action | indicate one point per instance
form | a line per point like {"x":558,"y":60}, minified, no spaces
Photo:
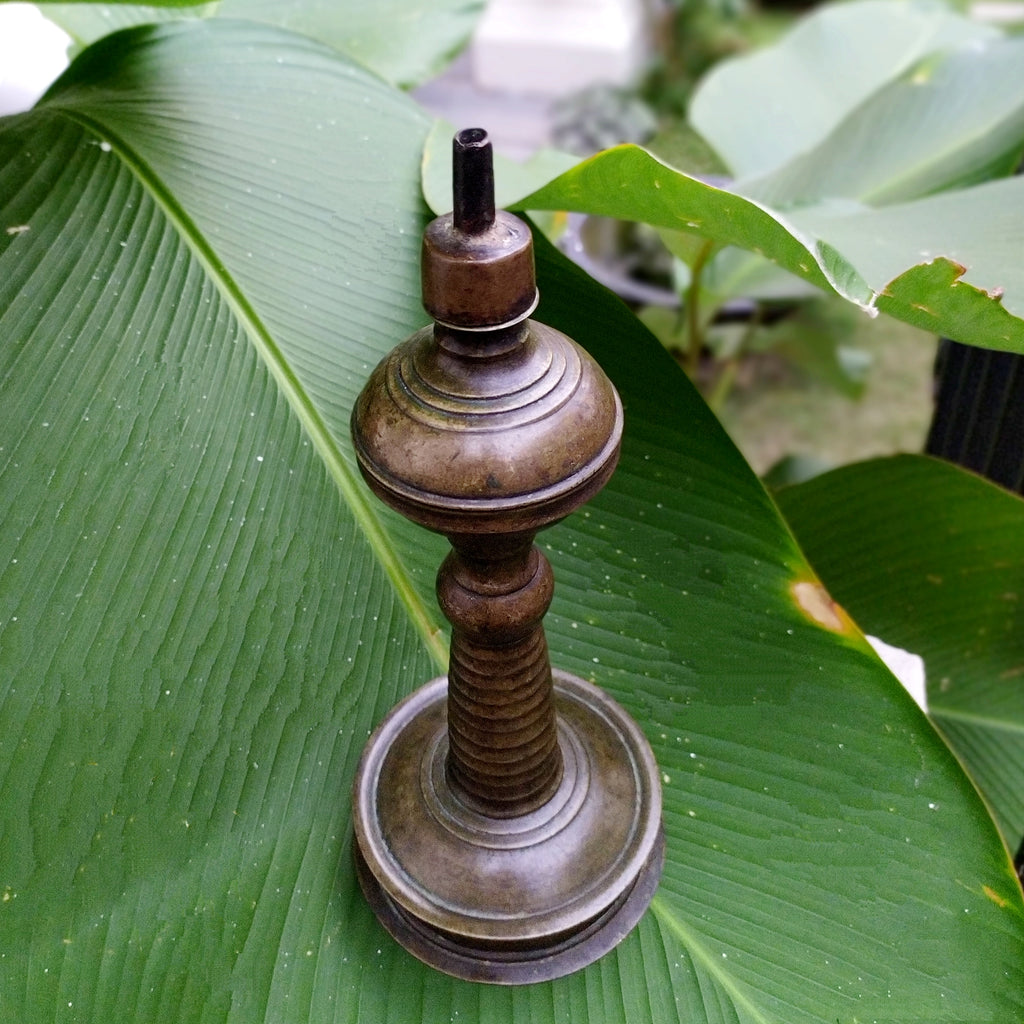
{"x":868,"y":257}
{"x":629,"y":183}
{"x":735,"y":273}
{"x":968,"y":282}
{"x":920,"y":99}
{"x":404,"y":41}
{"x":762,"y":109}
{"x":817,"y":337}
{"x":794,"y":469}
{"x":952,"y":120}
{"x":116,"y":4}
{"x":680,"y":145}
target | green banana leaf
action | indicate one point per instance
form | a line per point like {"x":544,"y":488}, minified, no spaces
{"x":931,"y":558}
{"x":208,"y":236}
{"x":117,"y":4}
{"x":862,"y":144}
{"x":945,"y":263}
{"x":404,"y":41}
{"x":762,"y":109}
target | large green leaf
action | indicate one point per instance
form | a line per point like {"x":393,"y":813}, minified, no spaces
{"x":629,"y":183}
{"x":127,"y":3}
{"x":931,"y":558}
{"x":976,"y":232}
{"x":404,"y":41}
{"x":953,"y":119}
{"x":762,"y":109}
{"x":211,"y":234}
{"x":963,"y":289}
{"x":862,"y":104}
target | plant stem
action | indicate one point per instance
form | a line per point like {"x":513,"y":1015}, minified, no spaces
{"x":720,"y":392}
{"x":694,"y":333}
{"x":727,"y":377}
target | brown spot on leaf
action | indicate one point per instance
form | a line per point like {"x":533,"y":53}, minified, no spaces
{"x":817,"y":604}
{"x":998,"y":900}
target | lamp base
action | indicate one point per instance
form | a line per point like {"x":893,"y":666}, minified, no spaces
{"x":510,"y":900}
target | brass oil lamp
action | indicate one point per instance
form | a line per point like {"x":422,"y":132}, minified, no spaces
{"x":507,"y":816}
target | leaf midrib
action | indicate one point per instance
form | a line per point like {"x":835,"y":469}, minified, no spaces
{"x":972,"y":718}
{"x":878,"y":195}
{"x":291,"y":387}
{"x":699,"y":953}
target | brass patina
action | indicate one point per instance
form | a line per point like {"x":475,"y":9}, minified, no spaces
{"x":507,"y":817}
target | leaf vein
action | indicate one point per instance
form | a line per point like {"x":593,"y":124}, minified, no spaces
{"x":287,"y":380}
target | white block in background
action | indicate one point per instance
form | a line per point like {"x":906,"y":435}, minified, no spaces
{"x":33,"y":52}
{"x":554,"y":47}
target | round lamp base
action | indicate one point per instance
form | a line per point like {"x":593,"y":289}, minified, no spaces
{"x":510,"y":900}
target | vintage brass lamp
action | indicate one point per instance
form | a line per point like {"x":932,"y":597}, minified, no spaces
{"x":507,"y":817}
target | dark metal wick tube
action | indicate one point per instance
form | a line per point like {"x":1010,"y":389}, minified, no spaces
{"x":472,"y":181}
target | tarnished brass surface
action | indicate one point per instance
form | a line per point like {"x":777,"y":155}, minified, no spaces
{"x":487,"y":433}
{"x":507,"y":830}
{"x":518,"y":899}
